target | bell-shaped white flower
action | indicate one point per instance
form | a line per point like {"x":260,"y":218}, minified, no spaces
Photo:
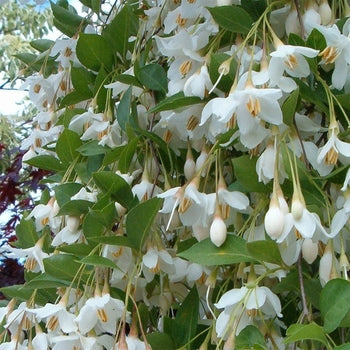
{"x":218,"y":230}
{"x":309,"y":250}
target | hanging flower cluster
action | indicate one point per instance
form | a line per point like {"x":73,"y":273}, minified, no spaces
{"x":201,"y":188}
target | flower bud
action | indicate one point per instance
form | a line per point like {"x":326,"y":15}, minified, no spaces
{"x":309,"y":250}
{"x":297,"y":208}
{"x":274,"y":221}
{"x":325,"y":12}
{"x":189,"y":168}
{"x":73,"y":223}
{"x":292,"y":24}
{"x":218,"y":231}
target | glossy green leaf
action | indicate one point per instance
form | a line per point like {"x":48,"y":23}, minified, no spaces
{"x":345,"y":346}
{"x":43,"y":281}
{"x":334,"y":303}
{"x":92,"y":227}
{"x":42,"y":45}
{"x":78,"y":249}
{"x":245,"y":171}
{"x":124,"y":108}
{"x":255,"y":8}
{"x":65,"y":191}
{"x":19,"y":292}
{"x":187,"y":319}
{"x":233,"y":251}
{"x":250,"y":338}
{"x":118,"y":32}
{"x":66,"y":146}
{"x":139,"y":221}
{"x":226,"y":81}
{"x":160,"y":341}
{"x":82,"y":80}
{"x":94,"y":51}
{"x":26,"y":234}
{"x":75,"y":207}
{"x":289,"y":107}
{"x":96,"y":260}
{"x":232,"y":18}
{"x":175,"y":101}
{"x":299,"y":332}
{"x":266,"y":251}
{"x":62,"y":266}
{"x":91,"y":148}
{"x":46,"y":162}
{"x":127,"y":154}
{"x":112,"y":240}
{"x":116,"y":186}
{"x":153,"y":77}
{"x":105,"y":215}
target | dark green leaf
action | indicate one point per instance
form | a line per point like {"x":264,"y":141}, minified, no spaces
{"x":175,"y":101}
{"x":153,"y":77}
{"x":82,"y":79}
{"x":75,"y":97}
{"x":127,"y":154}
{"x":232,"y":18}
{"x":139,"y":221}
{"x":46,"y":162}
{"x":92,"y":227}
{"x":226,"y":81}
{"x":289,"y":107}
{"x":266,"y":251}
{"x":233,"y":251}
{"x":254,"y":7}
{"x":343,"y":347}
{"x":123,"y":112}
{"x":44,"y":281}
{"x":64,"y":192}
{"x":250,"y":338}
{"x":26,"y":234}
{"x":245,"y":171}
{"x":299,"y":332}
{"x":161,"y":341}
{"x":42,"y":45}
{"x":334,"y":303}
{"x":91,"y":148}
{"x":75,"y":207}
{"x":112,"y":240}
{"x":116,"y":186}
{"x":78,"y":249}
{"x":98,"y":261}
{"x":118,"y":32}
{"x":62,"y":266}
{"x":93,"y":51}
{"x":66,"y":146}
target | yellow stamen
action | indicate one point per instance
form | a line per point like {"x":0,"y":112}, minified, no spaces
{"x":329,"y":54}
{"x":192,"y":123}
{"x":291,"y":61}
{"x":253,"y":106}
{"x":331,"y":157}
{"x":52,"y":323}
{"x":185,"y":67}
{"x":184,"y":205}
{"x":102,"y":315}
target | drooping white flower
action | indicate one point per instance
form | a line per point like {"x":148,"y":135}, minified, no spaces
{"x":101,"y":313}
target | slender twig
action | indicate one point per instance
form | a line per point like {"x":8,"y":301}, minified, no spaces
{"x":302,"y":289}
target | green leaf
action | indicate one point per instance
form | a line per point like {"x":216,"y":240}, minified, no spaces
{"x":250,"y":338}
{"x":118,"y":32}
{"x":78,"y":249}
{"x":64,"y":192}
{"x":44,"y":281}
{"x":312,"y":331}
{"x":75,"y":207}
{"x":127,"y":79}
{"x":334,"y":303}
{"x":74,"y":97}
{"x":266,"y":251}
{"x":92,"y":227}
{"x":254,"y":7}
{"x":289,"y":107}
{"x":233,"y":251}
{"x":186,"y":319}
{"x":123,"y":111}
{"x":91,"y":148}
{"x":26,"y":234}
{"x":46,"y":162}
{"x":94,"y":51}
{"x":19,"y":292}
{"x":96,"y":260}
{"x":112,"y":240}
{"x":105,"y":215}
{"x":116,"y":186}
{"x":160,"y":341}
{"x":153,"y":77}
{"x":244,"y":168}
{"x":100,"y":92}
{"x":62,"y":266}
{"x":42,"y":45}
{"x":175,"y":101}
{"x":127,"y":154}
{"x":67,"y":20}
{"x":232,"y":18}
{"x":139,"y":221}
{"x":66,"y":146}
{"x":345,"y":346}
{"x":82,"y":79}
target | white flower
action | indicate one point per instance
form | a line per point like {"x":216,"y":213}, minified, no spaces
{"x":56,"y":316}
{"x":289,"y":59}
{"x":81,"y":122}
{"x":198,"y":83}
{"x":101,"y":313}
{"x":255,"y":298}
{"x":75,"y":341}
{"x":155,"y":261}
{"x":337,"y":52}
{"x":334,"y":147}
{"x":65,"y":48}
